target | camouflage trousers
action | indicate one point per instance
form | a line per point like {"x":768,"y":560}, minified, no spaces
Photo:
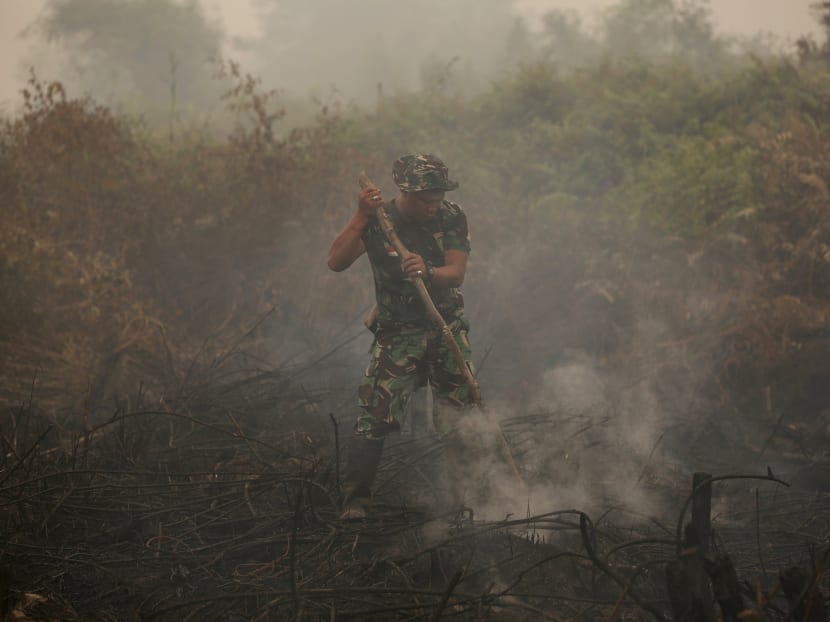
{"x":404,"y":359}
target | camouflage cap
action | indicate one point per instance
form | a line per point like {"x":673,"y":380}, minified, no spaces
{"x":415,"y":173}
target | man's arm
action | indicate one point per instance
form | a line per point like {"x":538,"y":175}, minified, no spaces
{"x":348,"y":245}
{"x":456,"y":248}
{"x":451,"y":274}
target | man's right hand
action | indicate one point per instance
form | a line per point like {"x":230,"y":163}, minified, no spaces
{"x":348,"y":245}
{"x":368,"y":201}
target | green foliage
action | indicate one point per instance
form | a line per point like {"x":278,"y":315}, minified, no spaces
{"x":565,"y":42}
{"x":662,"y":30}
{"x":694,"y":184}
{"x":121,"y":231}
{"x":810,"y":52}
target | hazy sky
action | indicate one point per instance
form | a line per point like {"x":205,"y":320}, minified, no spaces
{"x":787,"y":19}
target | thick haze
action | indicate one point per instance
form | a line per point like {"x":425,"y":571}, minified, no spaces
{"x":342,"y":61}
{"x":341,"y":51}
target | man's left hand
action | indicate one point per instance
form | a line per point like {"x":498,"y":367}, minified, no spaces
{"x":413,"y":266}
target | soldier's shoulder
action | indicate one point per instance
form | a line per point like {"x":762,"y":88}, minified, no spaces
{"x":450,"y":209}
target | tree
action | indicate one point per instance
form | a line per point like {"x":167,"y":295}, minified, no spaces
{"x":565,"y":42}
{"x":809,"y":52}
{"x":157,"y":51}
{"x":664,"y":30}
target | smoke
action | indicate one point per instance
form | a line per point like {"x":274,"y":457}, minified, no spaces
{"x":582,"y":450}
{"x":360,"y":51}
{"x":584,"y":369}
{"x":343,"y":51}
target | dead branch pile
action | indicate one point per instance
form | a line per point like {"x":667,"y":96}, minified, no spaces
{"x":223,"y":504}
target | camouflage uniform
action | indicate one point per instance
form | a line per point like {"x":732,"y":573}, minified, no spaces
{"x":409,"y":350}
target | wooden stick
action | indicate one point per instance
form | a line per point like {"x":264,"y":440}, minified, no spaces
{"x":475,"y":391}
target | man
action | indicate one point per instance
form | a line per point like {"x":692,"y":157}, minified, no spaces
{"x":408,"y":350}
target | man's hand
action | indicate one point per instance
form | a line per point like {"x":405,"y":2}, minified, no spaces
{"x":413,"y":266}
{"x":348,"y":246}
{"x":368,"y":201}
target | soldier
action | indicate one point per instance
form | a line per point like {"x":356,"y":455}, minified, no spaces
{"x":408,"y":350}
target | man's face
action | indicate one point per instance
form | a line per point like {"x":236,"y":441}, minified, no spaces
{"x":422,"y":206}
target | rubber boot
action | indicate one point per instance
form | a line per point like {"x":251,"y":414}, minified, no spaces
{"x":460,"y":480}
{"x":468,"y":464}
{"x":361,"y":466}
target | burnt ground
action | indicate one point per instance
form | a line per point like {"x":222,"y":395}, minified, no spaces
{"x":217,"y":498}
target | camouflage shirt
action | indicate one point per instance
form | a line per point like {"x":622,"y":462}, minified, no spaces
{"x":396,"y":296}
